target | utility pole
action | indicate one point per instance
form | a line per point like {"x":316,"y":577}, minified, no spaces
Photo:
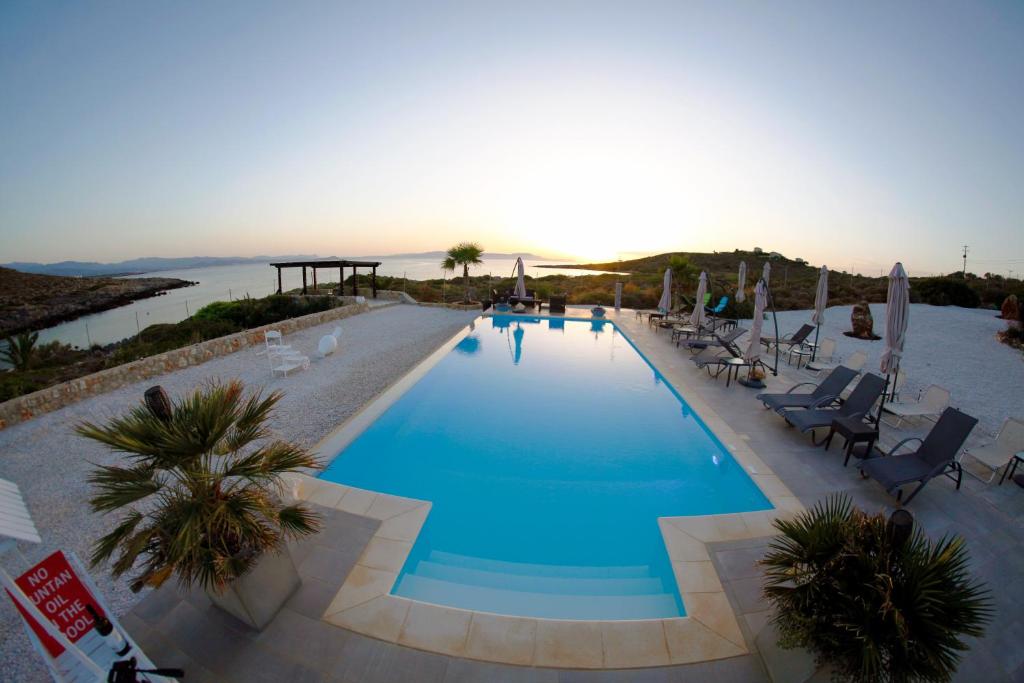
{"x":965,"y":261}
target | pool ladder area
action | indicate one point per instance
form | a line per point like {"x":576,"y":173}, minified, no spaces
{"x":538,"y":590}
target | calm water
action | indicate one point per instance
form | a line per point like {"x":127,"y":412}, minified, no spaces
{"x":221,"y":283}
{"x":549,"y":448}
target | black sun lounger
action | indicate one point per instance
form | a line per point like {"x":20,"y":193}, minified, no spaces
{"x":936,"y":455}
{"x":796,"y":339}
{"x":858,"y":405}
{"x":824,"y":394}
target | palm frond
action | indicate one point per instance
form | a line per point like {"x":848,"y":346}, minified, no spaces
{"x":209,"y":481}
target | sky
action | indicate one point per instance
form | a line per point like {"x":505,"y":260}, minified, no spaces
{"x":852,"y":134}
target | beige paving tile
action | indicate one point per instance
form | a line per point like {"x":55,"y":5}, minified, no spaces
{"x":713,"y":528}
{"x":386,"y":554}
{"x":381,"y":617}
{"x":681,"y":546}
{"x":406,"y":526}
{"x":696,"y":577}
{"x":356,"y":501}
{"x":505,"y":639}
{"x":689,"y":641}
{"x":386,"y":506}
{"x":361,"y":585}
{"x":568,"y":644}
{"x":770,"y":485}
{"x":634,"y":644}
{"x":760,"y":523}
{"x":714,"y":611}
{"x":327,"y":494}
{"x":435,"y":628}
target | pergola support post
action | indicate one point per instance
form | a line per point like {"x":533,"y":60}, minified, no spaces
{"x":303,"y":279}
{"x":373,"y":281}
{"x":278,"y":279}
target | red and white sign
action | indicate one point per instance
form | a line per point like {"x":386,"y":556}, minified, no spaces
{"x":57,"y":591}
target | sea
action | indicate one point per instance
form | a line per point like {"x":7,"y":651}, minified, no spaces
{"x":225,"y":283}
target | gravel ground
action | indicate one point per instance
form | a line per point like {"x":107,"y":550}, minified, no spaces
{"x":953,"y":347}
{"x":50,"y":463}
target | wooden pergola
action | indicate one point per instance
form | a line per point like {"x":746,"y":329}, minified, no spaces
{"x":340,"y":265}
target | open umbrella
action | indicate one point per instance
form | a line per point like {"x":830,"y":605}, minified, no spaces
{"x":520,"y":290}
{"x":665,"y":303}
{"x":740,"y":296}
{"x":766,"y":272}
{"x":697,"y":317}
{"x":897,"y":315}
{"x":820,"y":301}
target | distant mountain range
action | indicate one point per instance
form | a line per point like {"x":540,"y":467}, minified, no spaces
{"x":154,"y":264}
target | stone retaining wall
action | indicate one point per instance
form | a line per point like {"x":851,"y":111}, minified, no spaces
{"x":46,"y":400}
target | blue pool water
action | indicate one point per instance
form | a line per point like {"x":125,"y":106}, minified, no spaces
{"x":549,"y":448}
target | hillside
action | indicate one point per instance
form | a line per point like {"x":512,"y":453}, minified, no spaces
{"x":31,"y":302}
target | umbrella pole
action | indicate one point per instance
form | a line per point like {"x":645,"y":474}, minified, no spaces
{"x":814,"y":351}
{"x":775,"y":320}
{"x":881,"y":402}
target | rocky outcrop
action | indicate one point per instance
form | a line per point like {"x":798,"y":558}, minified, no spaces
{"x":862,"y":323}
{"x":33,"y":302}
{"x":1010,"y":309}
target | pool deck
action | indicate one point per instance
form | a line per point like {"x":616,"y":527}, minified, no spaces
{"x":344,"y":626}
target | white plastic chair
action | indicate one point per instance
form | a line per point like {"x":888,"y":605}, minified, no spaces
{"x":823,"y":357}
{"x":998,"y":454}
{"x":931,"y":403}
{"x":283,"y":359}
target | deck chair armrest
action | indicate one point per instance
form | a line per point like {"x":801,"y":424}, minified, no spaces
{"x":802,"y":384}
{"x":892,"y":451}
{"x":824,"y":402}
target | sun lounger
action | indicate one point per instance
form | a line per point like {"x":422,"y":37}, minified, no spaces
{"x":795,"y":339}
{"x":998,"y":454}
{"x":824,"y":394}
{"x":709,"y":357}
{"x":856,"y":362}
{"x":937,"y":455}
{"x":696,"y":345}
{"x":860,"y":403}
{"x":931,"y":403}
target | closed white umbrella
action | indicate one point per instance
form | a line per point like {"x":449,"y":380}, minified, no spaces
{"x":740,"y":296}
{"x":897,"y":315}
{"x":520,"y":290}
{"x":753,"y":352}
{"x":820,"y":301}
{"x":766,"y":273}
{"x":697,"y":317}
{"x":666,"y":294}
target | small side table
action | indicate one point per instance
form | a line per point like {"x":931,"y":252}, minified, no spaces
{"x":854,"y":431}
{"x":732,"y":368}
{"x":1011,"y":467}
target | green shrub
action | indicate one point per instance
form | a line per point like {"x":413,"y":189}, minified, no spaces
{"x":942,"y":291}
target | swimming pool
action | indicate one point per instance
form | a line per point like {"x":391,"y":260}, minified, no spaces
{"x":548,"y":447}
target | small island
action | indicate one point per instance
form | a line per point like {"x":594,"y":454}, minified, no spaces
{"x":32,"y":302}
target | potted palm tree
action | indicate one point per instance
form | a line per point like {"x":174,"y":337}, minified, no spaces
{"x":870,"y":598}
{"x":200,"y":493}
{"x":463,"y":254}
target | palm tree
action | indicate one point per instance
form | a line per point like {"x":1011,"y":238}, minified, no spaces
{"x":682,"y":272}
{"x":200,"y":488}
{"x":463,"y":254}
{"x":19,"y":351}
{"x":872,"y":598}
